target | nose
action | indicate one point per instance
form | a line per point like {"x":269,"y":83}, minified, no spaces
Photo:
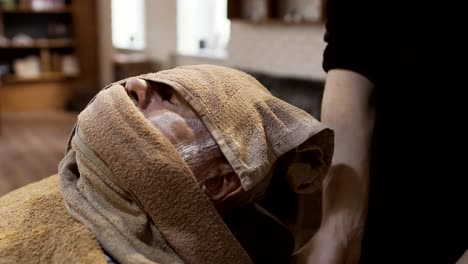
{"x":139,"y":89}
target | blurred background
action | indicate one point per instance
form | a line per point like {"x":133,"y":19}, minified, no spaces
{"x":55,"y":55}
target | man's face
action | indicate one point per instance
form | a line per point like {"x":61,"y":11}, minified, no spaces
{"x":175,"y":118}
{"x":177,"y":121}
{"x":165,"y":109}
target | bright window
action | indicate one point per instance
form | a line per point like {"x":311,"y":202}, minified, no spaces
{"x":128,"y":24}
{"x":202,"y":26}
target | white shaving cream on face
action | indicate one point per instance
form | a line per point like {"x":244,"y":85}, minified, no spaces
{"x":173,"y":126}
{"x":200,"y":153}
{"x":197,"y":151}
{"x":191,"y":139}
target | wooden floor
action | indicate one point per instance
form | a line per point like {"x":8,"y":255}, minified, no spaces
{"x":31,"y":146}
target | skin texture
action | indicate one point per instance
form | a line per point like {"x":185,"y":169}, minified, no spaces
{"x":165,"y":109}
{"x":176,"y":119}
{"x":346,"y":109}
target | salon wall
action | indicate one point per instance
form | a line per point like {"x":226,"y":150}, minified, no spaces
{"x":106,"y":52}
{"x":279,"y":49}
{"x":290,"y":50}
{"x":285,"y":50}
{"x":161,"y":35}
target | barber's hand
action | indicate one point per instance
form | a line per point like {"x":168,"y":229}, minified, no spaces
{"x":329,"y":247}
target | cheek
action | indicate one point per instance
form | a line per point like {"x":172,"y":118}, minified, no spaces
{"x":173,"y":126}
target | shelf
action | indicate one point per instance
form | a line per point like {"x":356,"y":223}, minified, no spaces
{"x":37,"y":44}
{"x":63,"y":10}
{"x":54,"y":34}
{"x":274,"y":12}
{"x":43,"y":77}
{"x":277,"y":21}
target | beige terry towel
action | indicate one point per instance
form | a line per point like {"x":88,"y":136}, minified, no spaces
{"x":36,"y":228}
{"x":252,"y":127}
{"x":128,"y":184}
{"x":125,"y":181}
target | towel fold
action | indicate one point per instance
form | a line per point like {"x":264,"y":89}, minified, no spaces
{"x":125,"y":181}
{"x":252,"y":127}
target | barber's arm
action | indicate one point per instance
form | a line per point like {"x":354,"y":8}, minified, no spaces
{"x":346,"y":109}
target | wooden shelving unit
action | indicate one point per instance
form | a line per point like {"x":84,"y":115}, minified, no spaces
{"x":52,"y":38}
{"x":41,"y":34}
{"x":43,"y":77}
{"x":42,"y":44}
{"x":278,"y":21}
{"x":61,"y":10}
{"x":277,"y":12}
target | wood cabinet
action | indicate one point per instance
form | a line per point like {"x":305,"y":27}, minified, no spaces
{"x":277,"y":11}
{"x":47,"y":52}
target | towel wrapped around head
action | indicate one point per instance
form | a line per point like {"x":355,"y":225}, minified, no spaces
{"x":252,"y":127}
{"x":125,"y":181}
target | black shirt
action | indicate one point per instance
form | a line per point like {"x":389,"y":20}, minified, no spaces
{"x":418,"y":196}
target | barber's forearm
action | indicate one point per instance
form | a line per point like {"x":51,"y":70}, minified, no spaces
{"x":346,"y":109}
{"x":344,"y":203}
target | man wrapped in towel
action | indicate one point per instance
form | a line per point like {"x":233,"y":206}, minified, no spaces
{"x":168,"y":167}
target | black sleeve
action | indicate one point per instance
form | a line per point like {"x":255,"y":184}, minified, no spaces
{"x":351,"y":36}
